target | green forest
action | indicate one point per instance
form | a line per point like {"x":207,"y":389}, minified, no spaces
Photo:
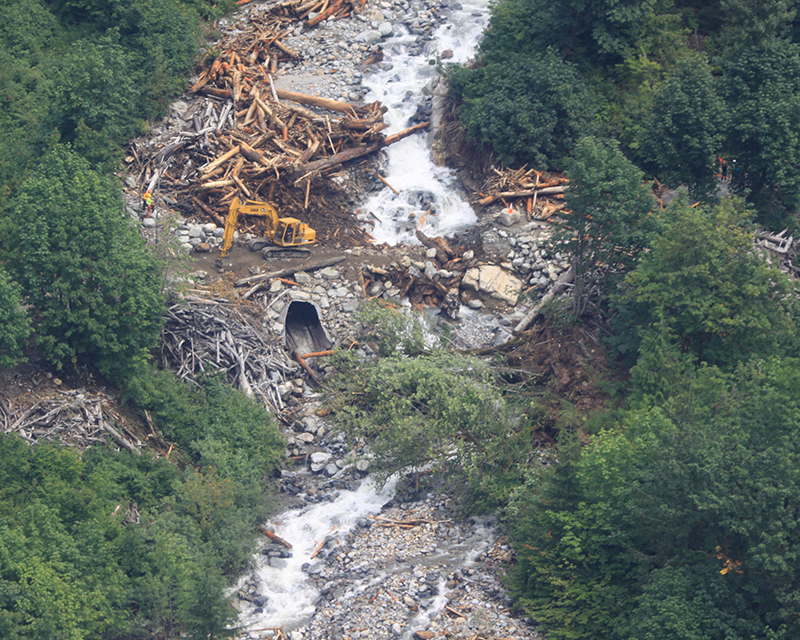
{"x":670,"y":513}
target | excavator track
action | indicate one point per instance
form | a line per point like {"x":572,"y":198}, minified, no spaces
{"x":285,"y":252}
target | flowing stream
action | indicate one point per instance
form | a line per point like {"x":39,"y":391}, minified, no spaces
{"x":430,"y":196}
{"x":427,"y":192}
{"x":290,"y":598}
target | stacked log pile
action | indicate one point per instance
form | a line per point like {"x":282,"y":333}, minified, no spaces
{"x":539,"y":194}
{"x":202,"y":335}
{"x":241,"y":136}
{"x":322,"y":9}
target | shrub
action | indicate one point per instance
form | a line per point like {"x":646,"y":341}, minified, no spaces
{"x":528,"y":108}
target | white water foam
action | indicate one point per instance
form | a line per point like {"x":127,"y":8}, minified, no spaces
{"x":290,"y":596}
{"x":430,"y":196}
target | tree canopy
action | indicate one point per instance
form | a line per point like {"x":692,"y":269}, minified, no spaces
{"x":679,"y":526}
{"x":529,"y":109}
{"x":95,"y":291}
{"x":678,"y":84}
{"x":684,"y":133}
{"x":609,"y":218}
{"x":703,"y":281}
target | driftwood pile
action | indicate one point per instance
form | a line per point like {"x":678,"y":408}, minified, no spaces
{"x":201,"y":336}
{"x":241,"y":136}
{"x":782,"y":248}
{"x":324,"y":9}
{"x":75,"y":418}
{"x":539,"y":194}
{"x":427,"y":289}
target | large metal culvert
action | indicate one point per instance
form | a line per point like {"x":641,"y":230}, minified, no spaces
{"x":303,"y":330}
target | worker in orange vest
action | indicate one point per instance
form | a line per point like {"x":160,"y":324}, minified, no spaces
{"x":148,"y":203}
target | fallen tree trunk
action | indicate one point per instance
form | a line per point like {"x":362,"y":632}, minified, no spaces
{"x":275,"y":538}
{"x":215,"y":163}
{"x":564,"y":280}
{"x":338,"y":158}
{"x":253,"y":155}
{"x":289,"y":271}
{"x":522,"y":194}
{"x":396,"y":137}
{"x":332,"y":8}
{"x":299,"y":360}
{"x":357,"y":152}
{"x":441,"y":256}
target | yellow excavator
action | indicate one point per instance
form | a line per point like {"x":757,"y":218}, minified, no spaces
{"x":282,"y":238}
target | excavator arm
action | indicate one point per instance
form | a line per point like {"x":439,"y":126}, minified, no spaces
{"x":252,"y":208}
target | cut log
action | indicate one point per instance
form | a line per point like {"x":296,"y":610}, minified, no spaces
{"x":338,"y":158}
{"x":316,"y":101}
{"x":118,"y":437}
{"x":223,"y":158}
{"x":522,"y":194}
{"x":299,"y":360}
{"x":289,"y":52}
{"x":332,"y":8}
{"x":396,"y":137}
{"x":275,"y":538}
{"x":253,"y":155}
{"x":217,"y":184}
{"x":441,"y":256}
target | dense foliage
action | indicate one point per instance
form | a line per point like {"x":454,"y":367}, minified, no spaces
{"x":529,"y":109}
{"x":704,"y":284}
{"x":678,"y":84}
{"x":14,"y":323}
{"x":105,"y":544}
{"x":78,"y":79}
{"x":610,"y":218}
{"x":680,"y":526}
{"x":94,"y":289}
{"x":678,"y":522}
{"x":114,"y":545}
{"x":442,"y":412}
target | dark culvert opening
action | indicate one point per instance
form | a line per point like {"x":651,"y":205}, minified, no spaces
{"x":304,"y":331}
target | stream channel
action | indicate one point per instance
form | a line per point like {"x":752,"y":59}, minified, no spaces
{"x":428,"y":192}
{"x":289,"y":598}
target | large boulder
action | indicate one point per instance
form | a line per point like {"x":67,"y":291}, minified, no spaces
{"x":494,"y":282}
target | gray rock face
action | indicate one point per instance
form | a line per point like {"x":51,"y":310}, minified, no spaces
{"x":321,"y":457}
{"x":385,"y":29}
{"x":329,"y":273}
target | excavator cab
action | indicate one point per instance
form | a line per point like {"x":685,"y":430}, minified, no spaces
{"x":291,"y":232}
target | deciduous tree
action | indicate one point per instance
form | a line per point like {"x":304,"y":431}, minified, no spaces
{"x":528,"y":108}
{"x":685,"y":131}
{"x":702,"y":279}
{"x":761,"y":87}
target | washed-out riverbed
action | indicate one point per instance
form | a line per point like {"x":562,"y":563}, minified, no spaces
{"x":365,"y":561}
